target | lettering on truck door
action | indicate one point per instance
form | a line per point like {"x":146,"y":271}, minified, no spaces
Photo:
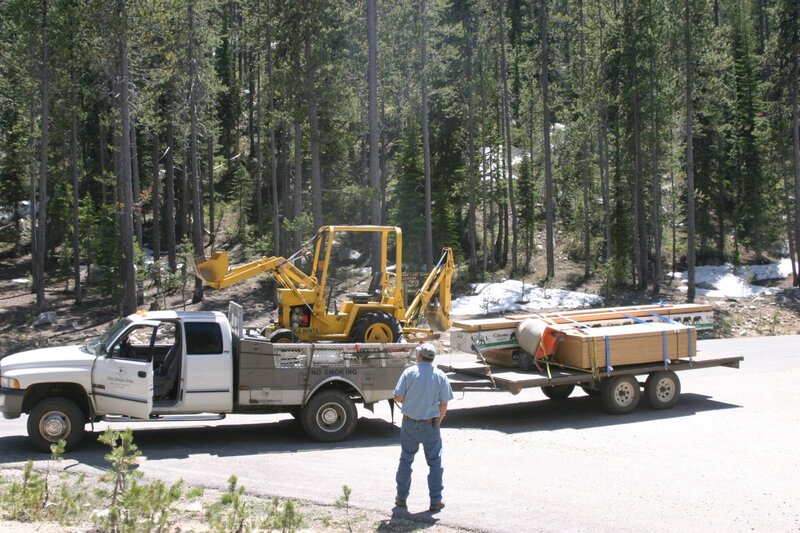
{"x":122,"y":378}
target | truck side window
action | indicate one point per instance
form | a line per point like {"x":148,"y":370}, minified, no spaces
{"x":134,"y":345}
{"x":203,"y":338}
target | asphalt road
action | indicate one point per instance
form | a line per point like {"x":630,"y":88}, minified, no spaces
{"x":726,"y":458}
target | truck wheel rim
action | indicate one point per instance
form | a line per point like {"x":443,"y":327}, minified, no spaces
{"x":665,"y":389}
{"x":54,"y":426}
{"x":331,"y":417}
{"x":623,"y":394}
{"x":379,"y":333}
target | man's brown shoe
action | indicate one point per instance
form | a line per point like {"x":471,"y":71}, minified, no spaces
{"x":436,"y":507}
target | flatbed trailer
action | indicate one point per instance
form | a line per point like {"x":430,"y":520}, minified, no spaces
{"x":619,"y":388}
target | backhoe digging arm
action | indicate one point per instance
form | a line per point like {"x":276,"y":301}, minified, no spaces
{"x":437,"y":281}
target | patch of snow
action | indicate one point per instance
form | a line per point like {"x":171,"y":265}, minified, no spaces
{"x":19,"y":280}
{"x":512,"y":295}
{"x":728,"y":281}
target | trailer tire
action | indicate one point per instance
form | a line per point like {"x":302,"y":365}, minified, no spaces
{"x":662,"y":389}
{"x":621,"y":394}
{"x":376,"y":326}
{"x":558,"y":392}
{"x":329,"y":416}
{"x":54,"y":419}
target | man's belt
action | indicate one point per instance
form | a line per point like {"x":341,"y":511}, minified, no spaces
{"x":431,"y":421}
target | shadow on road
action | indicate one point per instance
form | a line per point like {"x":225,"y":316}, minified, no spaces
{"x":580,"y":412}
{"x":402,"y":520}
{"x":286,"y":436}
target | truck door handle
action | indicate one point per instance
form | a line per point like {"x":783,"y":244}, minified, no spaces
{"x":142,"y":374}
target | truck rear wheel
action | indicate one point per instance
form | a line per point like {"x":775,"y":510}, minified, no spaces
{"x":621,"y":394}
{"x":329,"y":416}
{"x":55,"y":419}
{"x":662,"y":389}
{"x":558,"y":392}
{"x":376,"y":326}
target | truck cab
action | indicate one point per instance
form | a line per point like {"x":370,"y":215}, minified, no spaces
{"x":144,"y":366}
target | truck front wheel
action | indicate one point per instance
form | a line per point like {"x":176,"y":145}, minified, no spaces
{"x":55,"y":419}
{"x":329,"y":416}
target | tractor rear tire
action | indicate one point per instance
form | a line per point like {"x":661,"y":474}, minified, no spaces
{"x":376,"y":326}
{"x":283,"y":336}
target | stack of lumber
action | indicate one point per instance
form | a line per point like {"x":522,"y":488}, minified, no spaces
{"x":630,"y":335}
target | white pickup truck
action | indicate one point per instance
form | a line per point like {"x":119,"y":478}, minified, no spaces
{"x":168,"y":365}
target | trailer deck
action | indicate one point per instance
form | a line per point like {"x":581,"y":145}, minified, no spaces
{"x":477,"y":376}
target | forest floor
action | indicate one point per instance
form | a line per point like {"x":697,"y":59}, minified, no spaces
{"x":774,"y":314}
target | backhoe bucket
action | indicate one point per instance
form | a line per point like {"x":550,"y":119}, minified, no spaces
{"x":437,"y":319}
{"x":212,"y":269}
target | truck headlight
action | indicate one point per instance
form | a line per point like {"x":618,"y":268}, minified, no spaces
{"x":9,"y":383}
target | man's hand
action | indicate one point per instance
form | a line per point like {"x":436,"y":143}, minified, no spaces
{"x":399,"y":399}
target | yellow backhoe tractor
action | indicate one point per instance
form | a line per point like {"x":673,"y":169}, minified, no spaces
{"x":307,"y":309}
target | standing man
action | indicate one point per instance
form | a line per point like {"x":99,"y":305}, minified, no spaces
{"x":423,"y":391}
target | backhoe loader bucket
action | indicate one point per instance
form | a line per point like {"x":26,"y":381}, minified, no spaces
{"x":437,"y":319}
{"x":212,"y":269}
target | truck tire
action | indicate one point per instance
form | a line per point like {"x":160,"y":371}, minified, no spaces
{"x":55,"y":419}
{"x":558,"y":392}
{"x":662,"y":389}
{"x":376,"y":326}
{"x":329,"y":416}
{"x":621,"y":394}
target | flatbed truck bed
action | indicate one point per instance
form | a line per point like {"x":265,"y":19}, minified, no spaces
{"x":619,"y":387}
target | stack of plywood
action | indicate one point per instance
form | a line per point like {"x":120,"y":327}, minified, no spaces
{"x":625,"y":345}
{"x":634,"y":341}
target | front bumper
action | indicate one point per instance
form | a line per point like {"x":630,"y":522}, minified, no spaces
{"x":11,"y":402}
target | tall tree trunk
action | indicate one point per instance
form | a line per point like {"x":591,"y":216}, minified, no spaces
{"x":212,"y":223}
{"x":40,"y":250}
{"x":76,"y":249}
{"x":298,"y":181}
{"x":124,"y":178}
{"x":273,"y":162}
{"x":156,"y":199}
{"x":548,"y":167}
{"x":796,"y":151}
{"x":656,"y":180}
{"x":690,"y":215}
{"x":316,"y":185}
{"x":587,"y":236}
{"x":426,"y":145}
{"x":372,"y":82}
{"x":169,"y":198}
{"x":506,"y":105}
{"x":472,"y":234}
{"x":194,"y":153}
{"x":103,"y":164}
{"x":136,"y":184}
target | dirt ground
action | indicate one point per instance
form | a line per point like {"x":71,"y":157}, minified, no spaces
{"x":777,"y":314}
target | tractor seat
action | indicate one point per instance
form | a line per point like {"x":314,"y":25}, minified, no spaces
{"x":373,"y":292}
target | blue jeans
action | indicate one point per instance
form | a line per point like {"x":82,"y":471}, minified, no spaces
{"x":412,"y":434}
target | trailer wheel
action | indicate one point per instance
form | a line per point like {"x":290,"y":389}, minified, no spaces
{"x":376,"y":326}
{"x":329,"y":416}
{"x":55,"y":419}
{"x":590,"y":391}
{"x":558,"y":392}
{"x":662,"y":389}
{"x":621,"y":394}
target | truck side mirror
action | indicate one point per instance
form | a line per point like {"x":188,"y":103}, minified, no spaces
{"x":103,"y":349}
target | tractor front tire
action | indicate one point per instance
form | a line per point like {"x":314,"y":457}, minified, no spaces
{"x":376,"y":326}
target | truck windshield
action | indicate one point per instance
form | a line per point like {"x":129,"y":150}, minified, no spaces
{"x":93,"y":347}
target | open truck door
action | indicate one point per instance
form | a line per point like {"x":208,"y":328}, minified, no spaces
{"x":122,"y":376}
